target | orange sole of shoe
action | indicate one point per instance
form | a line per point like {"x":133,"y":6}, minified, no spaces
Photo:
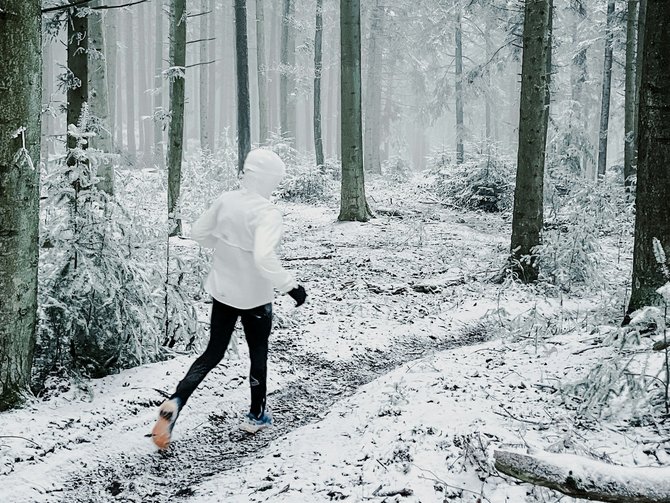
{"x":161,"y":433}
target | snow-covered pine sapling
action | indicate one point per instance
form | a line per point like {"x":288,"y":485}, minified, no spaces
{"x":664,"y":291}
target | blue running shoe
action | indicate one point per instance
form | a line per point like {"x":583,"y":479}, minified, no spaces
{"x":253,"y":424}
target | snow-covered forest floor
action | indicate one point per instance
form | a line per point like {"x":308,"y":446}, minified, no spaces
{"x":395,"y":382}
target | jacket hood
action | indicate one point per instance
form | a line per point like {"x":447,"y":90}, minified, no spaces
{"x":263,"y":170}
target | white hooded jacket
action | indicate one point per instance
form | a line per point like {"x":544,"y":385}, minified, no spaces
{"x":244,"y":229}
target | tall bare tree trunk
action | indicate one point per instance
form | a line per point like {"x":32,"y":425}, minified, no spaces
{"x":159,"y":154}
{"x":176,"y":129}
{"x":373,"y":93}
{"x":111,"y":45}
{"x":287,"y":98}
{"x":318,"y":66}
{"x":145,"y":69}
{"x":262,"y":72}
{"x":242,"y":63}
{"x":129,"y":86}
{"x":204,"y":78}
{"x":353,"y":205}
{"x":77,"y":64}
{"x":528,"y":213}
{"x":20,"y":130}
{"x":629,"y":105}
{"x":652,"y":200}
{"x":459,"y":88}
{"x":606,"y":91}
{"x":98,"y":97}
{"x":641,"y":28}
{"x":213,"y":56}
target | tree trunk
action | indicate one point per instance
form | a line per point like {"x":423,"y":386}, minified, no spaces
{"x":459,"y":88}
{"x":98,"y":98}
{"x":286,"y":80}
{"x":373,"y":93}
{"x":145,"y":70}
{"x":263,"y":129}
{"x":204,"y":79}
{"x":129,"y":86}
{"x":353,"y":205}
{"x":629,"y":106}
{"x":176,"y":128}
{"x":159,"y":154}
{"x":318,"y":56}
{"x":578,"y":76}
{"x":528,"y":194}
{"x":242,"y":63}
{"x":20,"y":102}
{"x":606,"y":91}
{"x":587,"y":478}
{"x":111,"y":48}
{"x":652,"y":200}
{"x":77,"y":63}
{"x":212,"y":73}
{"x":641,"y":23}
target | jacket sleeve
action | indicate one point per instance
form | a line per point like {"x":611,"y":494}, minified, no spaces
{"x":203,"y":229}
{"x":266,"y":239}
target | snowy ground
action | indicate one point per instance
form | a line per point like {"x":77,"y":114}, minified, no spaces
{"x":380,"y":391}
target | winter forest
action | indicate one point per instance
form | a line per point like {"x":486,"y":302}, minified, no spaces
{"x":476,"y":201}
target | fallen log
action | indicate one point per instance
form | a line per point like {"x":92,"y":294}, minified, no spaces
{"x":581,"y":477}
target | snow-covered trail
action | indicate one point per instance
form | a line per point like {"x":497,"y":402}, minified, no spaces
{"x":363,"y":319}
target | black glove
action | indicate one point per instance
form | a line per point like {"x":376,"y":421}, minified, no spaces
{"x":299,"y":295}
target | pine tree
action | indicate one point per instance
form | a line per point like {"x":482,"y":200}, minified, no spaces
{"x":20,"y":103}
{"x":318,"y":67}
{"x":528,"y":215}
{"x":652,"y":200}
{"x":353,"y":205}
{"x":243,"y":105}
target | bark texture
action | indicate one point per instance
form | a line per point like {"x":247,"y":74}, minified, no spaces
{"x":373,"y":92}
{"x":263,"y":128}
{"x":652,"y":211}
{"x":606,"y":91}
{"x":287,"y":115}
{"x":159,"y":154}
{"x":459,"y":88}
{"x":20,"y":102}
{"x":529,"y":190}
{"x":318,"y":66}
{"x":587,"y":478}
{"x":353,"y":205}
{"x":176,"y":129}
{"x":204,"y":78}
{"x":629,"y":105}
{"x":243,"y":105}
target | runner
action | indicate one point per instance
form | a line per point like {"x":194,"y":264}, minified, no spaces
{"x":244,"y":229}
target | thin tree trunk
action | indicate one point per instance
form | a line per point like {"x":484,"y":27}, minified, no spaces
{"x":373,"y":93}
{"x":262,"y":72}
{"x":242,"y":63}
{"x":459,"y":88}
{"x":652,"y":200}
{"x":111,"y":46}
{"x":641,"y":27}
{"x":211,"y":88}
{"x":20,"y":130}
{"x":578,"y":76}
{"x":204,"y":79}
{"x":145,"y":68}
{"x":159,"y":154}
{"x":176,"y":129}
{"x":98,"y":97}
{"x":353,"y":205}
{"x":606,"y":91}
{"x":629,"y":105}
{"x":77,"y":63}
{"x":528,"y":215}
{"x":287,"y":99}
{"x":318,"y":66}
{"x":129,"y":85}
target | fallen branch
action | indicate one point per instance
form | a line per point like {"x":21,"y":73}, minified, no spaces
{"x":321,"y":257}
{"x":581,"y":477}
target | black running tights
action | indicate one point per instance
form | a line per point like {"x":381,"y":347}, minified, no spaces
{"x":257,"y":323}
